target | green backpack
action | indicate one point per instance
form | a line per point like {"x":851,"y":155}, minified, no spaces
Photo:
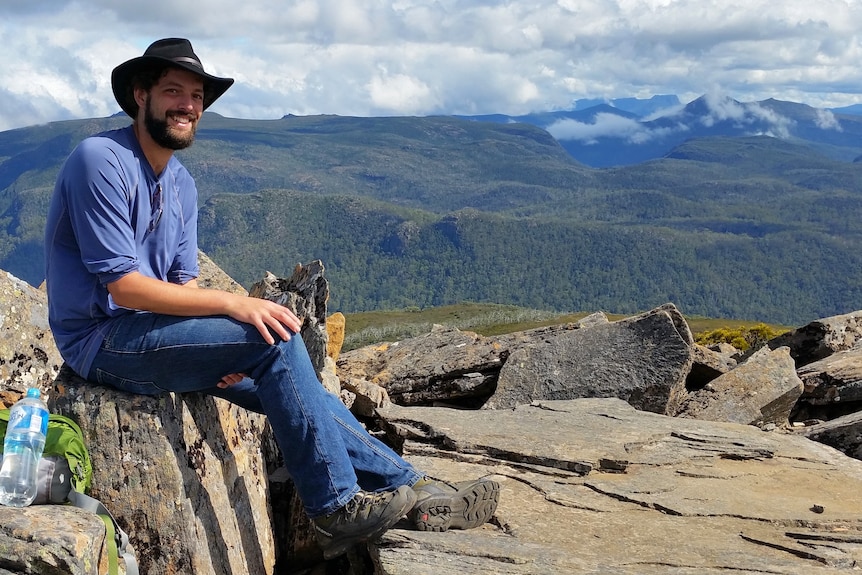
{"x":65,"y":463}
{"x":65,"y":474}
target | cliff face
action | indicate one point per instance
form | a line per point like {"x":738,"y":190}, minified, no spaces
{"x":620,"y":446}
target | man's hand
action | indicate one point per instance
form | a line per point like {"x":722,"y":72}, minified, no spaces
{"x":265,"y":315}
{"x":231,"y":379}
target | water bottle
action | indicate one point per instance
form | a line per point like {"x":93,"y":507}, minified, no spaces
{"x":22,"y":449}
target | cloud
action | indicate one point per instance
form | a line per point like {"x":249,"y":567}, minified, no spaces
{"x":746,"y":115}
{"x":437,"y":56}
{"x":826,"y":120}
{"x":608,"y":125}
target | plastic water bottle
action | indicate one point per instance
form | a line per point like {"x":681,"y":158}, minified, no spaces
{"x":22,"y":449}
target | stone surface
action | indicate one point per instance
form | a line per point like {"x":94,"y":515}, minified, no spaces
{"x":834,"y":379}
{"x":335,"y":325}
{"x":183,"y":474}
{"x":843,"y":433}
{"x":28,"y":355}
{"x":442,"y":365}
{"x":762,"y":390}
{"x":77,"y":549}
{"x":213,"y":277}
{"x":643,"y":359}
{"x":707,"y":364}
{"x":368,"y":396}
{"x":595,"y":486}
{"x":821,"y":338}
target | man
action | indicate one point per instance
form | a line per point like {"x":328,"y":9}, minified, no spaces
{"x":125,"y":311}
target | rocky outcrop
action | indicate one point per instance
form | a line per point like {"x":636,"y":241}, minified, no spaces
{"x":184,"y":475}
{"x":596,"y":486}
{"x":644,"y":360}
{"x":306,"y":293}
{"x":32,"y":543}
{"x":821,"y":338}
{"x":577,"y":425}
{"x":834,"y":380}
{"x":28,"y":356}
{"x":769,"y":375}
{"x":444,"y":365}
{"x":843,"y":433}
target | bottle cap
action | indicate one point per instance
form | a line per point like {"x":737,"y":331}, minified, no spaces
{"x":33,"y":392}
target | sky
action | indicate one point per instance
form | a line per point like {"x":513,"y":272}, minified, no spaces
{"x":428,"y":57}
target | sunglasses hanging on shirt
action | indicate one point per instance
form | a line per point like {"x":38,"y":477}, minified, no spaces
{"x":159,"y":205}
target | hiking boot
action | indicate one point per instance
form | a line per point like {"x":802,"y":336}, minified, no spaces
{"x":441,"y":505}
{"x":365,"y":518}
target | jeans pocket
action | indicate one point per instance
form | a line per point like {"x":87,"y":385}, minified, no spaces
{"x":125,"y":384}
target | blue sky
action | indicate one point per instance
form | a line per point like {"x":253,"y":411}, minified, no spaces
{"x":417,"y":57}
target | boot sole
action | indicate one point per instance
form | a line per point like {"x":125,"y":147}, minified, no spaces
{"x":467,"y":508}
{"x":342,"y":546}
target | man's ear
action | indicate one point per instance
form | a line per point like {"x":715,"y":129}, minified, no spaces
{"x":140,"y":96}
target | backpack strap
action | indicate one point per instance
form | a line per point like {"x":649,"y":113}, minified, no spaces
{"x":118,"y":540}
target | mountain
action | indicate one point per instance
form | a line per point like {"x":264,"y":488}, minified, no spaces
{"x":855,"y":109}
{"x":419,"y":212}
{"x":640,"y":107}
{"x":607,"y":134}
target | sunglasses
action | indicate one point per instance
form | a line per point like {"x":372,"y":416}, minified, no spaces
{"x":159,"y":205}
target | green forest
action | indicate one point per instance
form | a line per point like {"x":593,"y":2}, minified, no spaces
{"x":422,"y":212}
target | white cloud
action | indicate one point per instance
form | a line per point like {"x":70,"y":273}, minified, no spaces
{"x":400,"y":93}
{"x":826,"y":120}
{"x":607,"y":125}
{"x":746,"y":115}
{"x":439,"y":56}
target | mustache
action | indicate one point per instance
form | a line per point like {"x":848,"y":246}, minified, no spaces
{"x":185,"y":113}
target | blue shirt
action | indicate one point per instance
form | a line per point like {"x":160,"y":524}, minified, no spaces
{"x":111,"y":215}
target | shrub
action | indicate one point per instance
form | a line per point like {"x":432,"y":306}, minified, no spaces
{"x":742,"y":338}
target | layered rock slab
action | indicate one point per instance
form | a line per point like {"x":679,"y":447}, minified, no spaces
{"x":184,"y":474}
{"x":595,"y":486}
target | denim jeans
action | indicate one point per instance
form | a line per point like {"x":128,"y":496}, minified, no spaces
{"x":327,"y":452}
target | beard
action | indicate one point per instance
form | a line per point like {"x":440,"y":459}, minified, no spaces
{"x":164,"y":135}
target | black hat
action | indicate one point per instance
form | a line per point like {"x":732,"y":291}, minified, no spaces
{"x":174,"y":52}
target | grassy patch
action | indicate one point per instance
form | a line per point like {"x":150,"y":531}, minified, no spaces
{"x":487,"y":319}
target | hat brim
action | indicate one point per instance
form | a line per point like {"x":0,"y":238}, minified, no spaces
{"x":122,"y":75}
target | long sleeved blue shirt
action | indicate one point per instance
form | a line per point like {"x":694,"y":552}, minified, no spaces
{"x":110,"y":215}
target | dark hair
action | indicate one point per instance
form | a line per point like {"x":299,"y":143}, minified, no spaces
{"x":145,"y":79}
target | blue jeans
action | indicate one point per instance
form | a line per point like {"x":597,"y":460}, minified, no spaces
{"x":327,"y":452}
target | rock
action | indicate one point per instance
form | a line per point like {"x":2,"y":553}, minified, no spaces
{"x":724,"y":349}
{"x":31,"y":543}
{"x":643,"y":359}
{"x":305,"y":293}
{"x":328,"y":377}
{"x":595,"y":486}
{"x":335,"y":325}
{"x":443,"y":365}
{"x":368,"y":396}
{"x":706,"y":366}
{"x":834,"y":380}
{"x":843,"y":433}
{"x":762,"y":390}
{"x":821,"y":338}
{"x":184,"y":475}
{"x":28,"y":355}
{"x":213,"y":277}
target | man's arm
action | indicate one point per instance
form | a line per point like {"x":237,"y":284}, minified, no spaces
{"x":137,"y":291}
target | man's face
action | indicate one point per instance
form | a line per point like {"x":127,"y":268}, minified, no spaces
{"x":173,"y":107}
